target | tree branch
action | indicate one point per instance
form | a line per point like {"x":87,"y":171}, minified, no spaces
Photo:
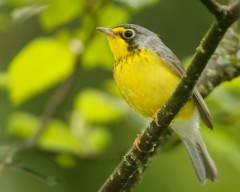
{"x":222,"y":69}
{"x":214,"y":7}
{"x":224,"y":65}
{"x":127,"y":173}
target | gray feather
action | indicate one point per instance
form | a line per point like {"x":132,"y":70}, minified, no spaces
{"x":202,"y":162}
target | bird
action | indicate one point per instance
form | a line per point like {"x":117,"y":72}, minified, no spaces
{"x":146,"y":73}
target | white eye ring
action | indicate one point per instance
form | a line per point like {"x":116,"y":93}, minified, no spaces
{"x":128,"y":34}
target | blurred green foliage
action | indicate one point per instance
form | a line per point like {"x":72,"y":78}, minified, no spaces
{"x":41,"y":56}
{"x":42,"y":42}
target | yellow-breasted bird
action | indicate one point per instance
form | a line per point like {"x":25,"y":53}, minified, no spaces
{"x":146,"y":73}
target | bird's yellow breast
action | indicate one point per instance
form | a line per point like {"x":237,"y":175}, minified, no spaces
{"x":146,"y":82}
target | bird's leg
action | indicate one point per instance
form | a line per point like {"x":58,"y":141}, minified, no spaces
{"x":136,"y":142}
{"x":155,"y":116}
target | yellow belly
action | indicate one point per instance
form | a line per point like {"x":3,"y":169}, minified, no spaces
{"x":146,"y":83}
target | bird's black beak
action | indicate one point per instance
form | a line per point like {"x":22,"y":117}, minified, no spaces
{"x":106,"y":31}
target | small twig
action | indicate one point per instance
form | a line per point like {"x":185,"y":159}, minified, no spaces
{"x":49,"y":180}
{"x":51,"y":107}
{"x":57,"y":99}
{"x":55,"y":102}
{"x":134,"y":162}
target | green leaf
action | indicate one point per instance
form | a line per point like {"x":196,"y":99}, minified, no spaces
{"x":59,"y":13}
{"x":110,"y":86}
{"x":58,"y":138}
{"x":66,"y":160}
{"x":22,"y":125}
{"x":112,"y":15}
{"x":93,"y":138}
{"x":40,"y":65}
{"x":98,"y":139}
{"x":98,"y":107}
{"x":103,"y":58}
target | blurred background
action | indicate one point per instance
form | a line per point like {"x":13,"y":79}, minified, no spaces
{"x":56,"y":76}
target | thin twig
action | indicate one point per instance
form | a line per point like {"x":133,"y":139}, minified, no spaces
{"x":52,"y":106}
{"x":131,"y":167}
{"x":49,"y":180}
{"x":55,"y":101}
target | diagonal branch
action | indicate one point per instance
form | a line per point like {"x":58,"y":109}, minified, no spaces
{"x":135,"y":162}
{"x":224,"y":65}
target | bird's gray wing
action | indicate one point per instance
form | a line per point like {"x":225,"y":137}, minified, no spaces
{"x":172,"y":61}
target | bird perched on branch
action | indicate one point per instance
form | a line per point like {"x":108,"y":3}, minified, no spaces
{"x":147,"y":73}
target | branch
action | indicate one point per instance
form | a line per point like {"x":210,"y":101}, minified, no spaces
{"x":222,"y":11}
{"x":220,"y":68}
{"x":224,"y":65}
{"x":214,"y":7}
{"x":127,"y":173}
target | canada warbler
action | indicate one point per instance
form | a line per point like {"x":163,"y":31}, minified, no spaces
{"x":146,"y":73}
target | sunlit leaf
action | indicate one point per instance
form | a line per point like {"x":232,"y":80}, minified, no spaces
{"x":112,"y":15}
{"x":111,"y":87}
{"x":103,"y":58}
{"x":41,"y":64}
{"x":65,"y":160}
{"x":99,"y":107}
{"x":58,"y":138}
{"x":22,"y":125}
{"x":98,"y":46}
{"x":98,"y":139}
{"x":59,"y":13}
{"x":93,"y":138}
{"x":87,"y":25}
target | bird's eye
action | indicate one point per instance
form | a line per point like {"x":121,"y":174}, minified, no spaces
{"x":128,"y":34}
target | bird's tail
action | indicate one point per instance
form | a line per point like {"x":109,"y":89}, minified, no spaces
{"x":203,"y":164}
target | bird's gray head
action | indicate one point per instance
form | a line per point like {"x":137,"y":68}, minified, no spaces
{"x":139,"y":37}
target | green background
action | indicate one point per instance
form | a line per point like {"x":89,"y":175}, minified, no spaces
{"x":93,"y":128}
